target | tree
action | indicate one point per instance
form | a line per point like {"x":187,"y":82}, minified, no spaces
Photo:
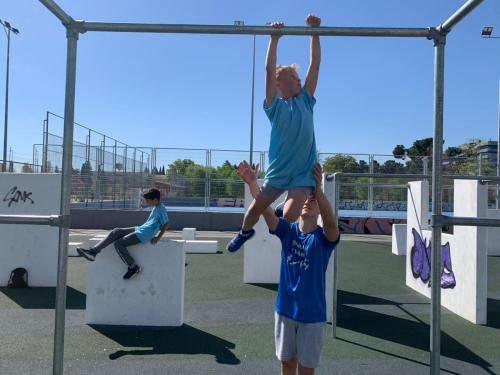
{"x":179,"y":167}
{"x":399,"y":151}
{"x":340,"y":163}
{"x":26,"y":168}
{"x":86,"y":177}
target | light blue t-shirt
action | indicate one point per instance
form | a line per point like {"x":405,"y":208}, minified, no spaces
{"x":292,"y":149}
{"x":304,"y":260}
{"x":156,"y":219}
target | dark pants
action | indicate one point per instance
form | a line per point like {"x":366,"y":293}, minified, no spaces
{"x":122,"y":237}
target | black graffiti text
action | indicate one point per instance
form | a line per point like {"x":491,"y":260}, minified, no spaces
{"x":14,"y":196}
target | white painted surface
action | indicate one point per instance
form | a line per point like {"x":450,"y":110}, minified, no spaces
{"x":33,"y":247}
{"x":208,"y":247}
{"x":399,"y":239}
{"x":262,"y":257}
{"x":155,"y":297}
{"x":468,"y":254}
{"x":189,"y":234}
{"x":493,"y":234}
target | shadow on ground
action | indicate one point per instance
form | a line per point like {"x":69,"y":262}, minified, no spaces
{"x":168,"y":340}
{"x":44,"y":297}
{"x":412,"y":333}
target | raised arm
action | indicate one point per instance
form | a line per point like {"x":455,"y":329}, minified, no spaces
{"x":249,"y":176}
{"x":314,"y":58}
{"x":325,"y":209}
{"x":271,"y":65}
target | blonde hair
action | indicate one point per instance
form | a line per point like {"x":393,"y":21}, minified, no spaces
{"x":281,"y":68}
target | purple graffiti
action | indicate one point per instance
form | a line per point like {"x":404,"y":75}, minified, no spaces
{"x":420,"y":258}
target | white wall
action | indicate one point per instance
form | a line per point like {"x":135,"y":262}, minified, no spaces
{"x":399,"y":239}
{"x":262,"y":257}
{"x":155,"y":297}
{"x":33,"y":247}
{"x":467,"y":248}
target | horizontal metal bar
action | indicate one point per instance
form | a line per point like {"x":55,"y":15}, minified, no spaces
{"x":253,"y":30}
{"x":375,"y":185}
{"x":459,"y":15}
{"x":470,"y":221}
{"x":57,"y":11}
{"x":411,"y":176}
{"x":376,"y":175}
{"x":52,"y":220}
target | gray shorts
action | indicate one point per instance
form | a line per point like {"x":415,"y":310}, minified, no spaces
{"x":275,"y":192}
{"x":303,"y":341}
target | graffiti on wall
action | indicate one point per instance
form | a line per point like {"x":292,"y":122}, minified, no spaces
{"x":368,"y":225}
{"x":420,"y":258}
{"x":14,"y":195}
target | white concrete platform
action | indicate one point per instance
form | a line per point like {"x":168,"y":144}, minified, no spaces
{"x":399,"y":239}
{"x":155,"y":297}
{"x":189,"y":234}
{"x":197,"y":247}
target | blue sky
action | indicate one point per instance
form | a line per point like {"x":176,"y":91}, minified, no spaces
{"x":194,"y":91}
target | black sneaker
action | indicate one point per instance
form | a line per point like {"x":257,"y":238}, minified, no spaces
{"x":87,"y":254}
{"x":278,"y":211}
{"x":132,"y":272}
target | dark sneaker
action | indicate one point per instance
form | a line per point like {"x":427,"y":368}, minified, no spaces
{"x":239,"y":240}
{"x":278,"y":210}
{"x":87,"y":254}
{"x":132,"y":272}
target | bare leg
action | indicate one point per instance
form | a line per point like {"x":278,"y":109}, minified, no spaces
{"x":305,"y":370}
{"x":289,"y":367}
{"x":293,"y":204}
{"x":256,"y":209}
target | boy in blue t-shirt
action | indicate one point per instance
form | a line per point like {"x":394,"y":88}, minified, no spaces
{"x":292,"y":149}
{"x":124,"y":237}
{"x":300,"y":310}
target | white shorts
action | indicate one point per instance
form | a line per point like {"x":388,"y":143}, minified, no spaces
{"x":303,"y":341}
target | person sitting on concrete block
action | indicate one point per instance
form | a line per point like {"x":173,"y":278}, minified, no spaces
{"x":124,"y":237}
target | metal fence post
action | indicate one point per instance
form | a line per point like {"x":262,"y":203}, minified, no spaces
{"x":62,"y":262}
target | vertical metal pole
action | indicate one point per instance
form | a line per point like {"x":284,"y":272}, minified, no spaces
{"x":6,"y":118}
{"x":371,"y":158}
{"x":437,"y":154}
{"x":62,"y":263}
{"x":426,"y":166}
{"x":125,"y":176}
{"x":114,"y":174}
{"x":498,"y":148}
{"x":253,"y":98}
{"x":336,"y":196}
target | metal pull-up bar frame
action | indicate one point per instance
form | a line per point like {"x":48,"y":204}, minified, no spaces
{"x":74,"y":28}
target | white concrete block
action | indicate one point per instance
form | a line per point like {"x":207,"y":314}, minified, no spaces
{"x":210,"y":247}
{"x":467,"y":251}
{"x":155,"y":297}
{"x":189,"y":233}
{"x":262,"y":257}
{"x":72,"y":248}
{"x":34,"y":247}
{"x":399,"y":239}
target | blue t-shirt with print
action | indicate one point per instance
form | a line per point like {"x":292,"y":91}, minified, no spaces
{"x":292,"y":148}
{"x":156,"y":219}
{"x":304,"y":260}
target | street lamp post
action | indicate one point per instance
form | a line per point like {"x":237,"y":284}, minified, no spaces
{"x":7,"y":28}
{"x":486,"y":33}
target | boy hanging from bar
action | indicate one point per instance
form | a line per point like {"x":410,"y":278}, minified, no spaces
{"x":292,"y":149}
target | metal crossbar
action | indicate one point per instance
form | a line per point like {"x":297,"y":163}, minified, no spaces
{"x":74,"y":28}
